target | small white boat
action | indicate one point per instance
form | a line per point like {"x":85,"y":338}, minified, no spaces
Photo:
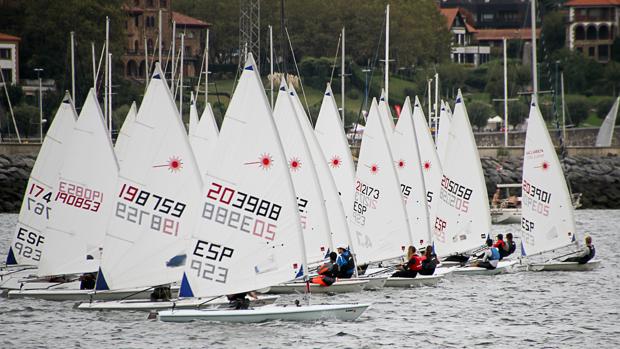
{"x":346,"y":312}
{"x":502,"y":267}
{"x":565,"y":266}
{"x":340,"y":286}
{"x":419,"y":280}
{"x":71,"y":292}
{"x":505,"y":215}
{"x":184,"y":303}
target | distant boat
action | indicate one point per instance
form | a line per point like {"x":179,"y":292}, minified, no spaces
{"x":605,"y":134}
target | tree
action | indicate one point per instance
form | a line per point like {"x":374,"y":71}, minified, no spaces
{"x":517,"y":112}
{"x":553,"y":32}
{"x":577,"y":108}
{"x":479,"y":112}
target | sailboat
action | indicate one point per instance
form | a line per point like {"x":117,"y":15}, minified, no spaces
{"x":461,"y":220}
{"x":340,"y":235}
{"x":605,"y":134}
{"x":28,"y":239}
{"x":152,"y":216}
{"x":547,"y":221}
{"x":264,"y":245}
{"x":82,"y":206}
{"x":330,"y":135}
{"x":124,"y":134}
{"x":203,"y":135}
{"x":445,"y":119}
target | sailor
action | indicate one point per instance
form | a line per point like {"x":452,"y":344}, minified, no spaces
{"x":496,"y":199}
{"x":585,"y":254}
{"x":490,"y":258}
{"x":87,"y":281}
{"x":345,"y":263}
{"x":501,"y":246}
{"x":412,"y":267}
{"x":327,"y":272}
{"x":161,"y":294}
{"x":239,"y":301}
{"x":429,"y":261}
{"x":511,"y":247}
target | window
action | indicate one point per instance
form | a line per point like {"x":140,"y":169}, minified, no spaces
{"x":8,"y":75}
{"x":190,"y":34}
{"x":591,"y":51}
{"x":163,"y":3}
{"x":487,"y":17}
{"x":603,"y":52}
{"x":136,"y":21}
{"x":508,"y":15}
{"x":5,"y":53}
{"x":149,"y":3}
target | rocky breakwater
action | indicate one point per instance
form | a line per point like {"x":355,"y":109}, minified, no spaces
{"x":14,"y":173}
{"x":596,"y":178}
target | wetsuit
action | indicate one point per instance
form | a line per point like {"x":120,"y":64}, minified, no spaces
{"x":238,"y":301}
{"x":411,"y":268}
{"x":428,"y":265}
{"x":586,"y":253}
{"x":490,"y":259}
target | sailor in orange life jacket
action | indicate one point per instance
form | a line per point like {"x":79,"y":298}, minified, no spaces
{"x":327,"y":272}
{"x":413,"y":265}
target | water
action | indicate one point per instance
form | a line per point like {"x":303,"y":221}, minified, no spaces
{"x":526,"y":309}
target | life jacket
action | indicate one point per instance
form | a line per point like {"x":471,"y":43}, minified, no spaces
{"x":415,"y":263}
{"x":326,"y":269}
{"x":512,"y":247}
{"x":592,"y":252}
{"x":346,"y":263}
{"x":500,"y":245}
{"x":494,"y":254}
{"x":323,"y":280}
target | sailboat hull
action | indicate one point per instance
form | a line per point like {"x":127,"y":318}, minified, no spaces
{"x":188,"y":303}
{"x":418,"y":281}
{"x":340,"y":286}
{"x":71,"y":292}
{"x":565,"y":266}
{"x":502,"y":267}
{"x":346,"y":312}
{"x":505,"y":215}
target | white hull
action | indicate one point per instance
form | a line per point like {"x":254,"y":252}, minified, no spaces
{"x":374,"y":282}
{"x":502,"y":267}
{"x":505,"y":215}
{"x":187,"y":303}
{"x":340,"y":286}
{"x":565,"y":266}
{"x":75,"y":294}
{"x":347,"y":312}
{"x":419,"y":280}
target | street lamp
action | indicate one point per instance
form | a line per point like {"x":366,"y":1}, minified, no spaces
{"x":39,"y":70}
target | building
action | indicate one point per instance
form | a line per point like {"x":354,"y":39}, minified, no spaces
{"x":497,"y":14}
{"x":495,"y":37}
{"x":9,"y":58}
{"x":592,"y":27}
{"x":142,"y":27}
{"x":464,"y":47}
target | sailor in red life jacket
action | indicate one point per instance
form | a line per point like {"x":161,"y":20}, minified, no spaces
{"x":413,"y":265}
{"x":429,"y":261}
{"x":327,"y":271}
{"x":501,"y":246}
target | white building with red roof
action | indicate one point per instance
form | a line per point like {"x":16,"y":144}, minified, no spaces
{"x":464,"y":47}
{"x":593,"y":26}
{"x":9,"y":58}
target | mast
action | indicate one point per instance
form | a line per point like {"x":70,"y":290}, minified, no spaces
{"x":534,"y":61}
{"x":505,"y":95}
{"x":182,"y":49}
{"x":105,"y":85}
{"x":271,"y":64}
{"x":73,"y":66}
{"x":436,"y":103}
{"x":146,"y":64}
{"x":110,"y":95}
{"x":159,"y":37}
{"x":430,"y":121}
{"x":387,"y":51}
{"x":92,"y":46}
{"x":206,"y":71}
{"x":282,"y":48}
{"x":342,"y":77}
{"x":563,"y":109}
{"x":174,"y":39}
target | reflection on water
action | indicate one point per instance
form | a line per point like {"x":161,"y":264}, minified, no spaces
{"x":526,"y":309}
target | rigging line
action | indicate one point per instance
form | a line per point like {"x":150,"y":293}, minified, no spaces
{"x":331,"y":77}
{"x":369,"y":82}
{"x":301,"y":84}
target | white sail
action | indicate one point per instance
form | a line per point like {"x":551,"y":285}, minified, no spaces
{"x":606,"y":132}
{"x":461,"y":217}
{"x":429,"y":161}
{"x":336,"y":212}
{"x":248,"y":235}
{"x":407,"y":159}
{"x":153,"y":214}
{"x":29,"y":236}
{"x":312,"y":212}
{"x":387,"y":120}
{"x":330,"y":134}
{"x":445,"y":119}
{"x":203,"y":137}
{"x":547,"y":220}
{"x":193,"y":115}
{"x":378,"y":220}
{"x":120,"y":147}
{"x":85,"y":192}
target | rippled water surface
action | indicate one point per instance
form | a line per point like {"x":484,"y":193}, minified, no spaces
{"x":524,"y":309}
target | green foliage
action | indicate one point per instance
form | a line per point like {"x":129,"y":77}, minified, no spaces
{"x":517,"y":112}
{"x":553,"y":31}
{"x":315,"y":71}
{"x":577,"y":108}
{"x":27,"y":118}
{"x":119,"y":115}
{"x":479,"y":112}
{"x":603,"y":105}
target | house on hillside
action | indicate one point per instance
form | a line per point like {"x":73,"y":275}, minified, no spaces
{"x":496,"y":14}
{"x":9,"y":58}
{"x":592,"y":27}
{"x":142,"y":27}
{"x":464,"y":47}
